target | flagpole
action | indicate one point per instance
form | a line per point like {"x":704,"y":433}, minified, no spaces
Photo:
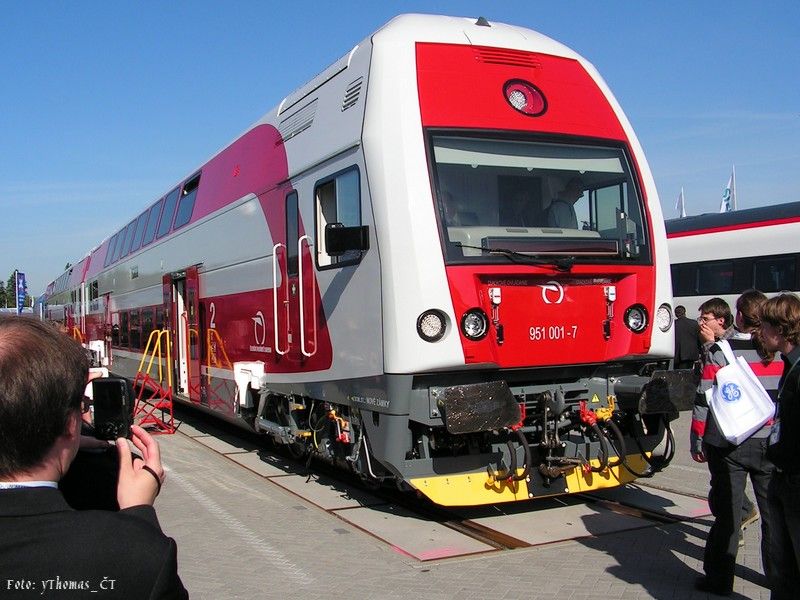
{"x":733,"y":186}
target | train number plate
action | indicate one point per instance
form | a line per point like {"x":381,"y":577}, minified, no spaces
{"x":546,"y":333}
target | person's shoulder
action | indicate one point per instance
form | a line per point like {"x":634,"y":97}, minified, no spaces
{"x":139,"y":522}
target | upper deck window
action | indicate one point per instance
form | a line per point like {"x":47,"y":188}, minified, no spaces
{"x":186,"y":204}
{"x":511,"y":198}
{"x":169,"y":212}
{"x":110,"y":249}
{"x":128,"y":239}
{"x":152,"y":222}
{"x":137,"y":238}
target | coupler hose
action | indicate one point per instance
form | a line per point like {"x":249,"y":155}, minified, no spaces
{"x":660,"y":463}
{"x":656,"y":464}
{"x":589,"y":418}
{"x":526,"y":470}
{"x":622,"y":451}
{"x":511,"y":474}
{"x":603,"y":450}
{"x":619,"y":445}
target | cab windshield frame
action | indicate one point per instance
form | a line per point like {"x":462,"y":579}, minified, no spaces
{"x":499,"y":195}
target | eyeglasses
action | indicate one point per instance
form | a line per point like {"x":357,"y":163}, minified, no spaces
{"x":702,"y":319}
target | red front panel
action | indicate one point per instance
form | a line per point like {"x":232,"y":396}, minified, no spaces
{"x":544,"y":317}
{"x":551,"y":318}
{"x":474,"y":77}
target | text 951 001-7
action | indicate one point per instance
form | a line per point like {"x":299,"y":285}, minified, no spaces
{"x":542,"y":333}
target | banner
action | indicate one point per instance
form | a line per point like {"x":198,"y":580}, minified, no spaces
{"x":729,"y":194}
{"x":680,"y":205}
{"x":22,"y":291}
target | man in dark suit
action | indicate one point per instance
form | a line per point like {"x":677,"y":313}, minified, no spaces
{"x":47,"y":548}
{"x":687,"y":339}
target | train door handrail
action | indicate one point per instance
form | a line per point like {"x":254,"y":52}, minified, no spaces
{"x":211,"y":355}
{"x":157,"y":335}
{"x":300,"y":241}
{"x":187,"y":347}
{"x":275,"y":291}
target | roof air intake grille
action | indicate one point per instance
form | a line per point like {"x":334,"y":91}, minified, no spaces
{"x":352,"y":93}
{"x":501,"y":56}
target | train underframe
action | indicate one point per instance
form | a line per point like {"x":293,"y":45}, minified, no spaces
{"x":487,"y":437}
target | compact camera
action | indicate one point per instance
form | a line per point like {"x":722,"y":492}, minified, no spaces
{"x":113,"y":407}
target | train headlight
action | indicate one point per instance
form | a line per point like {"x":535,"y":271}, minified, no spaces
{"x":474,"y":324}
{"x":636,"y":318}
{"x":525,"y":97}
{"x":664,"y":317}
{"x":431,"y":325}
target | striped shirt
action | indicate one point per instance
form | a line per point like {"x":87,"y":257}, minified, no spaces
{"x":703,"y":424}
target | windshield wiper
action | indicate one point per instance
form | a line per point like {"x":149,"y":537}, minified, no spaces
{"x":561,"y":264}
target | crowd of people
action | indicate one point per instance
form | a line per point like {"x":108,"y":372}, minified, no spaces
{"x":766,"y":334}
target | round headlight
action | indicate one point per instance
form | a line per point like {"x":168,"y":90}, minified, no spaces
{"x":525,"y":97}
{"x":636,"y":318}
{"x":664,"y":317}
{"x":431,"y":325}
{"x":474,"y":324}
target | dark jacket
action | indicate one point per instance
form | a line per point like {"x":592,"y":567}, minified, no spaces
{"x":49,"y":550}
{"x":784,"y":448}
{"x":687,"y":340}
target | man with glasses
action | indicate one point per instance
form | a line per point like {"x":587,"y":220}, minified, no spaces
{"x":730,"y":465}
{"x":46,"y":545}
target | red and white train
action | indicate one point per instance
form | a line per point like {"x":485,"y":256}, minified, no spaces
{"x":380,"y":271}
{"x":724,"y":254}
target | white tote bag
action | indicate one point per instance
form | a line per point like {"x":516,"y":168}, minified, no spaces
{"x":739,"y":402}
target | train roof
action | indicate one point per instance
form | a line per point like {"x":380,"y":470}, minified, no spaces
{"x":737,"y":219}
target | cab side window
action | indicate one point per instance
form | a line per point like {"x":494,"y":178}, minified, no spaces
{"x":338,"y":200}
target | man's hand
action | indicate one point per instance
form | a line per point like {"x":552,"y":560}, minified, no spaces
{"x":706,"y":334}
{"x":140,"y":479}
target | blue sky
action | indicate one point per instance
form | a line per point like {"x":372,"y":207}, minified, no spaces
{"x":104,"y":105}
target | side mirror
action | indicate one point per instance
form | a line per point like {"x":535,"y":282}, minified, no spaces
{"x":340,"y":239}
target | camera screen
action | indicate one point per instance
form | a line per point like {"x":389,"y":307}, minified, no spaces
{"x":112,"y":407}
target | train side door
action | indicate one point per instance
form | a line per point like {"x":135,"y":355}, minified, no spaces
{"x":297,"y":326}
{"x":181,"y":297}
{"x":300,"y":290}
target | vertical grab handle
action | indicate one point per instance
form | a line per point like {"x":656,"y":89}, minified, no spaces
{"x":300,"y":241}
{"x":275,"y":293}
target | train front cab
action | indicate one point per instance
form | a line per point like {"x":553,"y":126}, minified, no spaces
{"x":555,"y":325}
{"x":542,"y":367}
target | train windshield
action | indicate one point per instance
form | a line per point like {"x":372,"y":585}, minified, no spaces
{"x":510,"y":199}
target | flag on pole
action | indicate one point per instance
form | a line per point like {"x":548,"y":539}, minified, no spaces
{"x":21,"y":290}
{"x":680,"y":205}
{"x":729,"y":194}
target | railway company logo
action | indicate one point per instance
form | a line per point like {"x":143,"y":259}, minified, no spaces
{"x":731,"y":392}
{"x":260,"y":334}
{"x":259,"y":328}
{"x":552,"y":292}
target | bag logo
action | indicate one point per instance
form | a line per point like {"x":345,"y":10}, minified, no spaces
{"x":731,"y":392}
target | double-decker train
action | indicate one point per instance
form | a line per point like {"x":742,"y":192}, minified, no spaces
{"x":724,"y":254}
{"x":441,"y":262}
